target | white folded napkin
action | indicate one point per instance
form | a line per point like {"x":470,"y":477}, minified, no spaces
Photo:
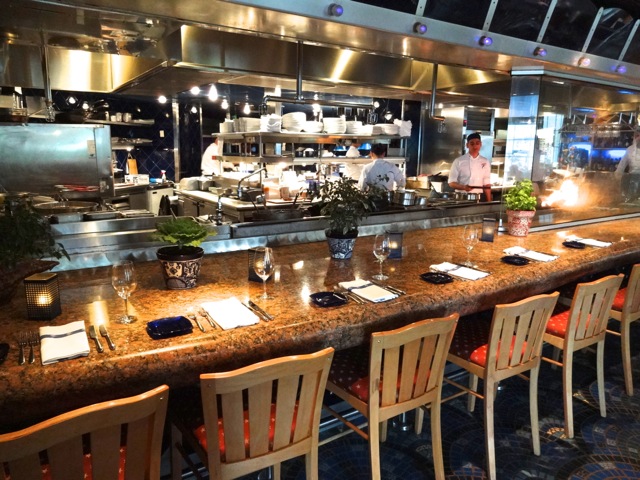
{"x":459,"y":271}
{"x":230,"y":313}
{"x":523,"y":252}
{"x":63,"y":342}
{"x":368,"y":291}
{"x":588,"y":241}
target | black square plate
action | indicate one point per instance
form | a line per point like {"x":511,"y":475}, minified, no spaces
{"x":328,"y":299}
{"x":436,"y":277}
{"x":169,"y":327}
{"x":515,"y":260}
{"x":573,"y":244}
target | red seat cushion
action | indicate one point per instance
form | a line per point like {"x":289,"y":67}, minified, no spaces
{"x":557,"y":324}
{"x":350,"y":371}
{"x":472,"y":334}
{"x":618,"y":302}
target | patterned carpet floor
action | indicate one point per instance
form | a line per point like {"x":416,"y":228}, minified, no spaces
{"x":603,"y":448}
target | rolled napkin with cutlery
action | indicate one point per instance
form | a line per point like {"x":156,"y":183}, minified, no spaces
{"x":588,"y":241}
{"x":368,"y":291}
{"x":530,"y":254}
{"x":230,"y":313}
{"x":459,"y":271}
{"x":63,"y":342}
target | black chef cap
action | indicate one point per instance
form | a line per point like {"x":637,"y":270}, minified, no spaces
{"x":471,"y":136}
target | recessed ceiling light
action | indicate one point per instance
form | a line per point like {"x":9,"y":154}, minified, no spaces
{"x":420,"y":28}
{"x":485,"y":41}
{"x":540,"y":52}
{"x":584,"y":62}
{"x":336,"y":10}
{"x":195,"y":90}
{"x":621,"y":69}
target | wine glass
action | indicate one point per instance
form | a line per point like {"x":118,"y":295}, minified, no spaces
{"x":123,"y":279}
{"x":470,"y":237}
{"x":263,"y":266}
{"x":381,"y":250}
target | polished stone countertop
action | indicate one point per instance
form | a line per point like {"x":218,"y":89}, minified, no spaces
{"x":32,"y":392}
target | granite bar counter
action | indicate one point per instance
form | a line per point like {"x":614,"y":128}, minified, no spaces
{"x":31,"y":392}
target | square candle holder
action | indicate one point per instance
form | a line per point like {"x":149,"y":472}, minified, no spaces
{"x":42,"y":291}
{"x":395,"y":244}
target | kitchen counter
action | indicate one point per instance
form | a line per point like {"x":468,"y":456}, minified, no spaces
{"x":33,"y":392}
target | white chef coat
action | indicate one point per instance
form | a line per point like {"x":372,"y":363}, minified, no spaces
{"x":210,"y":165}
{"x":631,"y":159}
{"x":375,"y":172}
{"x":471,"y":171}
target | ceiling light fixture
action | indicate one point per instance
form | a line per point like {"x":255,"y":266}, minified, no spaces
{"x":71,"y":100}
{"x":162,"y":99}
{"x":485,"y":41}
{"x":621,"y":69}
{"x":213,"y":93}
{"x":224,"y":105}
{"x":247,"y":109}
{"x":420,"y":28}
{"x":194,"y":109}
{"x":584,"y":62}
{"x":540,"y":52}
{"x":195,"y":90}
{"x":336,"y":10}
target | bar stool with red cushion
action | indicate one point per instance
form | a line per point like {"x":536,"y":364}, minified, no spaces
{"x":255,"y":417}
{"x":626,"y":309}
{"x":582,"y":325}
{"x":478,"y":348}
{"x":400,"y":370}
{"x":125,"y":441}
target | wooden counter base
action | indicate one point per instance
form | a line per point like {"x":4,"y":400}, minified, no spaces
{"x":33,"y":392}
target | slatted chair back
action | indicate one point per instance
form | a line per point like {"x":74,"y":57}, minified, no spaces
{"x":111,"y":440}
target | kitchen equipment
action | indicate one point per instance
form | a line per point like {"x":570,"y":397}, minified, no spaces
{"x":53,"y":208}
{"x":404,"y":197}
{"x":204,"y":183}
{"x":276,"y":215}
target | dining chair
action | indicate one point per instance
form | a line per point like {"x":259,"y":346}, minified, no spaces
{"x":254,"y":417}
{"x":582,"y":325}
{"x":626,"y":309}
{"x":400,"y":370}
{"x":114,"y":440}
{"x":480,"y":347}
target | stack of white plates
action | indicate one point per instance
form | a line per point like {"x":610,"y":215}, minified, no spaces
{"x":376,"y":130}
{"x":270,"y":123}
{"x":246,"y":124}
{"x":389,"y":128}
{"x":313,"y":127}
{"x":335,"y":125}
{"x":354,"y":127}
{"x":294,"y":121}
{"x":226,"y":126}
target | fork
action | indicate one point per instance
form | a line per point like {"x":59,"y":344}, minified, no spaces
{"x":22,"y":342}
{"x":34,"y":340}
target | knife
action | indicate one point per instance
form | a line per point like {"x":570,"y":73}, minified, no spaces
{"x":390,"y":288}
{"x":94,"y":335}
{"x":262,"y":313}
{"x":105,"y":334}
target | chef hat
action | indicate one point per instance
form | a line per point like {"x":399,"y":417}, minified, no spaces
{"x":472,"y":136}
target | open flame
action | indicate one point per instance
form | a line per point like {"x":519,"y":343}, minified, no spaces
{"x":566,"y":195}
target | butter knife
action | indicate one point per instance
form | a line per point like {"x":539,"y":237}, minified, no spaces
{"x":105,"y":334}
{"x":395,"y":290}
{"x":262,"y":313}
{"x":94,"y":336}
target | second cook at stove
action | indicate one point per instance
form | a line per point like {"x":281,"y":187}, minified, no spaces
{"x":471,"y":172}
{"x":381,"y":172}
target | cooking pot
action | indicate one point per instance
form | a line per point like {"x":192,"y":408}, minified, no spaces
{"x":469,"y":196}
{"x":420,"y":200}
{"x":404,"y":197}
{"x":54,"y":208}
{"x":276,"y":215}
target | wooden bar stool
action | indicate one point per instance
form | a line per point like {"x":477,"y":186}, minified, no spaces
{"x":582,"y":325}
{"x":255,"y":417}
{"x":400,"y":370}
{"x":480,"y":347}
{"x":626,"y":309}
{"x":124,"y":441}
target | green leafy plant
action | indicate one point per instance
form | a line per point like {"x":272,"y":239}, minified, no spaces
{"x":181,"y":231}
{"x":521,"y":197}
{"x":345,"y":205}
{"x":27,"y":235}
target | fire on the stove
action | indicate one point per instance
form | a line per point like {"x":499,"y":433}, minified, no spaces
{"x":565,"y":196}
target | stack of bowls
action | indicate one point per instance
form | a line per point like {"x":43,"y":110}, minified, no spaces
{"x":294,"y":121}
{"x":389,"y":128}
{"x":335,"y":125}
{"x":313,"y":127}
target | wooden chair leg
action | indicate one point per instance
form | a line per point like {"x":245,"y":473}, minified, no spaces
{"x":600,"y":376}
{"x":473,"y":385}
{"x":626,"y":356}
{"x":383,"y":431}
{"x":419,"y":420}
{"x":567,"y":393}
{"x":311,"y":463}
{"x":374,"y":447}
{"x":436,"y":439}
{"x":555,"y":356}
{"x":489,"y":398}
{"x":276,"y":472}
{"x":533,"y":409}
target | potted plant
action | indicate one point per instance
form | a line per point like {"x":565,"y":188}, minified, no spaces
{"x":345,"y":205}
{"x":521,"y":207}
{"x":181,"y":261}
{"x":26,"y":241}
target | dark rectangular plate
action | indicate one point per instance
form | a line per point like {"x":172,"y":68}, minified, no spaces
{"x":169,"y":327}
{"x":436,"y":277}
{"x":515,"y":260}
{"x":328,"y":299}
{"x":573,"y":244}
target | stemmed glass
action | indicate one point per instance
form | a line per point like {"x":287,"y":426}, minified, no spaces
{"x":123,"y":279}
{"x":470,"y":237}
{"x":263,"y":265}
{"x":381,"y":250}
